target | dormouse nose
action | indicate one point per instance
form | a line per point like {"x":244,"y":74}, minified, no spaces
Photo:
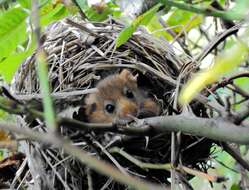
{"x":126,"y":107}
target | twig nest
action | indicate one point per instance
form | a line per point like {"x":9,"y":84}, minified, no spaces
{"x":80,"y":54}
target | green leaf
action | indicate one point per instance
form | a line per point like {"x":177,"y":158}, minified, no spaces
{"x":116,"y":12}
{"x":25,"y":3}
{"x":143,"y":19}
{"x":240,"y":8}
{"x":2,"y":2}
{"x":12,"y":30}
{"x":124,"y":35}
{"x":94,"y":14}
{"x":9,"y":66}
{"x":45,"y":2}
{"x":1,"y":153}
{"x":243,"y":83}
{"x":83,"y":5}
{"x":187,"y":20}
{"x":235,"y":187}
{"x":222,"y":2}
{"x":10,"y":19}
{"x":50,"y":14}
{"x":157,"y":29}
{"x":15,"y":37}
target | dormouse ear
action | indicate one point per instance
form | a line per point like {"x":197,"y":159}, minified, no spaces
{"x":90,"y":98}
{"x":126,"y":74}
{"x":90,"y":104}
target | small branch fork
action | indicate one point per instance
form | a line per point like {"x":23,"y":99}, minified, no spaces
{"x":229,"y":80}
{"x":241,"y":115}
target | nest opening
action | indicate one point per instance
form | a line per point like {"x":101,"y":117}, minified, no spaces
{"x":77,"y":61}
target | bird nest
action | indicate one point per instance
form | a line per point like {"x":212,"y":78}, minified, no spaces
{"x":79,"y":54}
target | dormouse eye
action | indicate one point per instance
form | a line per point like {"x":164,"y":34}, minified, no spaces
{"x":109,"y":107}
{"x":128,"y":93}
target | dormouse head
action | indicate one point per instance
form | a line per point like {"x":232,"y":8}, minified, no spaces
{"x":116,"y":99}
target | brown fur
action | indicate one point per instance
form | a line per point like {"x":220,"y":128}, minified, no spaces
{"x":111,"y":90}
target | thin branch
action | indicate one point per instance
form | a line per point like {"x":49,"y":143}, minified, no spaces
{"x":167,"y":166}
{"x":229,"y":80}
{"x":56,"y":95}
{"x":217,"y":40}
{"x":82,"y":27}
{"x":235,"y":155}
{"x":92,"y":162}
{"x":239,"y":90}
{"x":216,"y":129}
{"x":241,"y":116}
{"x":227,"y":15}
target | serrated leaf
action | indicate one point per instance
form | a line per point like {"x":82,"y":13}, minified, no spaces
{"x":143,"y":19}
{"x":9,"y":66}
